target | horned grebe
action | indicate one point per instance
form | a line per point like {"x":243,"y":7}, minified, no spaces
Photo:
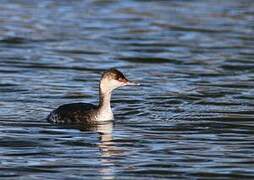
{"x":79,"y":113}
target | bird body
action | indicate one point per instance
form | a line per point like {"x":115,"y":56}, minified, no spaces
{"x":84,"y":113}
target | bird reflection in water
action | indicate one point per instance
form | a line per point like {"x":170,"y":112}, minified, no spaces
{"x":106,"y":145}
{"x":108,"y":150}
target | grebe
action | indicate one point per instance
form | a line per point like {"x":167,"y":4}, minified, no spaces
{"x":79,"y":113}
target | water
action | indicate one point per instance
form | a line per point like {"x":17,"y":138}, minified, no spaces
{"x":192,"y":118}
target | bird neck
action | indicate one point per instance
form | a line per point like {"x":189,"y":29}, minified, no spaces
{"x":104,"y":112}
{"x":105,"y":98}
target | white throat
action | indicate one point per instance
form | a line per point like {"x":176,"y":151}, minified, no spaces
{"x":104,"y":112}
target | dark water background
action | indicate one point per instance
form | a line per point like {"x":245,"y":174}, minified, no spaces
{"x":191,"y":118}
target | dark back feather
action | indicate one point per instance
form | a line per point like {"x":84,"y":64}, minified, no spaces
{"x":72,"y":113}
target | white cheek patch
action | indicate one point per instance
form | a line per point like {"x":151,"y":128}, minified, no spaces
{"x":110,"y":85}
{"x":115,"y":84}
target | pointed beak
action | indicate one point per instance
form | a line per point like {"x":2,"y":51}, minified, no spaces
{"x":132,"y":83}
